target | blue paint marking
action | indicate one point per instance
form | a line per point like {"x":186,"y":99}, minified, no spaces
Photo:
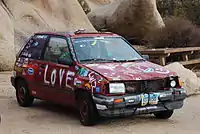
{"x":36,"y":44}
{"x":83,"y":72}
{"x":76,"y":67}
{"x":98,"y":90}
{"x":30,"y":71}
{"x":148,"y":70}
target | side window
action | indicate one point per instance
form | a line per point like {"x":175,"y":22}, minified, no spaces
{"x":34,"y":47}
{"x":56,"y":50}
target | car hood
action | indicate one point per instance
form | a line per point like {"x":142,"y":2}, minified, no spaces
{"x":139,"y":70}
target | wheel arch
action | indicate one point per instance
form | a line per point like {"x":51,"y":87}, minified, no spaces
{"x":79,"y":91}
{"x":17,"y":79}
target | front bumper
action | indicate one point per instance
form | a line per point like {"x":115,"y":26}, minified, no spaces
{"x":168,"y":100}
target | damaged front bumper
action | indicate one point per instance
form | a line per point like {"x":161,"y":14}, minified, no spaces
{"x":132,"y":103}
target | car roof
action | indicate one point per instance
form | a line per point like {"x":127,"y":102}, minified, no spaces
{"x":78,"y":33}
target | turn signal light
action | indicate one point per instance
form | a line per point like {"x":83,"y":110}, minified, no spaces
{"x":180,"y":83}
{"x":118,"y":100}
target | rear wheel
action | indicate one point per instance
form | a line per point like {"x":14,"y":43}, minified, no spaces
{"x":23,"y":95}
{"x":164,"y":114}
{"x":87,"y":110}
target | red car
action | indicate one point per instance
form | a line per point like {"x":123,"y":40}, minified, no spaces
{"x":100,"y":74}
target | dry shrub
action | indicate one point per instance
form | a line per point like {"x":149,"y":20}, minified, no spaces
{"x":176,"y":33}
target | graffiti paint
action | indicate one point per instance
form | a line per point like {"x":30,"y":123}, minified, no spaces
{"x":148,"y":70}
{"x":45,"y":75}
{"x":162,"y":71}
{"x":69,"y":76}
{"x":83,"y":72}
{"x":36,"y":44}
{"x":61,"y":74}
{"x":53,"y":77}
{"x":98,"y":90}
{"x":76,"y":68}
{"x":100,"y":80}
{"x":92,"y":81}
{"x":77,"y":82}
{"x":30,"y":71}
{"x":87,"y":85}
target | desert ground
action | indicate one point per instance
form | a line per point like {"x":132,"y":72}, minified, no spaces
{"x":47,"y":118}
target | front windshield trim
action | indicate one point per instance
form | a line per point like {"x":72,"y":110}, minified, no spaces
{"x":97,"y":61}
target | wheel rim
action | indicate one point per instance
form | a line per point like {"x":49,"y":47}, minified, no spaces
{"x":84,"y":110}
{"x":21,"y":93}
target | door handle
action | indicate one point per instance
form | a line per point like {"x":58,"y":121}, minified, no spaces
{"x":43,"y":66}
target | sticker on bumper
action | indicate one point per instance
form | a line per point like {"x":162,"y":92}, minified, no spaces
{"x":153,"y":98}
{"x":145,"y":99}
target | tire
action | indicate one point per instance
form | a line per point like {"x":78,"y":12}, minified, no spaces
{"x":164,"y":114}
{"x":87,"y":110}
{"x":23,"y":96}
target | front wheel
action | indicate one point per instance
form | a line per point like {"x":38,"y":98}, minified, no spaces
{"x":87,"y":110}
{"x":22,"y":93}
{"x":164,"y":114}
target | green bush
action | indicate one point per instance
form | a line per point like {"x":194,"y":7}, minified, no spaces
{"x":176,"y":33}
{"x":180,"y":8}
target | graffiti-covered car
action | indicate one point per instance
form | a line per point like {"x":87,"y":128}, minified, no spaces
{"x":100,"y":74}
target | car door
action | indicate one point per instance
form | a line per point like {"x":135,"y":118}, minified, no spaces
{"x":29,"y":60}
{"x":58,"y":76}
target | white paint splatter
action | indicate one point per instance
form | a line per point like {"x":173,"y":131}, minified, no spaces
{"x":61,"y":74}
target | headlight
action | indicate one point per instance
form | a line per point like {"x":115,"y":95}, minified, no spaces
{"x":115,"y":88}
{"x":173,"y":83}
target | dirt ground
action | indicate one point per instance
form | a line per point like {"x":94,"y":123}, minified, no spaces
{"x":46,"y":118}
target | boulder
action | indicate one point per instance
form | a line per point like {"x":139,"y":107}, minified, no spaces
{"x":190,"y":80}
{"x":7,"y":50}
{"x":129,"y":18}
{"x":26,"y":17}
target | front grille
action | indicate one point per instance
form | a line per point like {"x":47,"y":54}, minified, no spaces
{"x":145,"y":86}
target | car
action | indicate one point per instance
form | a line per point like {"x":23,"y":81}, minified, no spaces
{"x":99,"y":73}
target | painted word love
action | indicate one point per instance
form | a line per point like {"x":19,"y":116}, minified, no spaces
{"x":52,"y":81}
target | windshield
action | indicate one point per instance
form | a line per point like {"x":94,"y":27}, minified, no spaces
{"x":101,"y":49}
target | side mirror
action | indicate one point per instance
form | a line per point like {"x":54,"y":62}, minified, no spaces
{"x":66,"y":61}
{"x":146,"y":57}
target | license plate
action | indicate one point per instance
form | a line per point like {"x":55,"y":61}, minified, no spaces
{"x":153,"y":98}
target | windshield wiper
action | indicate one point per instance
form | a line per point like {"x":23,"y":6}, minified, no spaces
{"x":96,"y":59}
{"x":137,"y":60}
{"x":112,"y":60}
{"x":129,"y":60}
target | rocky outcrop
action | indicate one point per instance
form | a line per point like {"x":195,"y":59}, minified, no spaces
{"x":190,"y":80}
{"x":130,"y":18}
{"x":6,"y":39}
{"x":23,"y":18}
{"x":85,"y":6}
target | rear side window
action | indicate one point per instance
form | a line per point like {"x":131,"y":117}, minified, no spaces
{"x":34,"y":47}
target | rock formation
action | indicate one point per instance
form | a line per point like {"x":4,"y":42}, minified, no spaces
{"x":6,"y":39}
{"x":20,"y":18}
{"x":190,"y":80}
{"x":130,"y":18}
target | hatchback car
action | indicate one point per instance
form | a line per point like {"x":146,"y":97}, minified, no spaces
{"x":100,"y":74}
